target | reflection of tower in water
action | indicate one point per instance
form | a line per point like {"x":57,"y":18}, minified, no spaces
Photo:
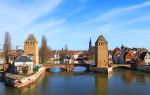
{"x":101,"y":83}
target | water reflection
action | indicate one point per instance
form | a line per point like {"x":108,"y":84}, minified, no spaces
{"x":129,"y":76}
{"x":79,"y":69}
{"x":121,"y":82}
{"x":101,"y":83}
{"x":56,"y":69}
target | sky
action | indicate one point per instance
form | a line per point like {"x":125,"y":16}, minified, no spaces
{"x":73,"y":22}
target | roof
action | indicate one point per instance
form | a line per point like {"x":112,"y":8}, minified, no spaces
{"x":23,"y":59}
{"x":31,"y":37}
{"x":101,"y":39}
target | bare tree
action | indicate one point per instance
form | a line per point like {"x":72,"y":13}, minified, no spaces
{"x":66,"y":47}
{"x":7,"y":44}
{"x":44,"y":51}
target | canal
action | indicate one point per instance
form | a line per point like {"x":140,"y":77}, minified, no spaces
{"x":121,"y":82}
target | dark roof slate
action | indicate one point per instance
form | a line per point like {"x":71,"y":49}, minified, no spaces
{"x":101,"y":39}
{"x":32,"y":38}
{"x":23,"y":59}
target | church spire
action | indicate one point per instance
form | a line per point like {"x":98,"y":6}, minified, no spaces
{"x":90,"y":44}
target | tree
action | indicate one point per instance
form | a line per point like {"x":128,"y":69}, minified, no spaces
{"x":7,"y":44}
{"x":44,"y":51}
{"x":66,"y":47}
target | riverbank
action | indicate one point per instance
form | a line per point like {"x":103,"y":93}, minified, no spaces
{"x":143,"y":68}
{"x":20,"y":81}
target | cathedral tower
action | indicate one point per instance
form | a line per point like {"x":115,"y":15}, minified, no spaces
{"x":90,"y":44}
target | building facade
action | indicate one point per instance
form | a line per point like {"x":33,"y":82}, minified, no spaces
{"x":101,"y":53}
{"x":23,"y":65}
{"x":147,"y":59}
{"x":31,"y":48}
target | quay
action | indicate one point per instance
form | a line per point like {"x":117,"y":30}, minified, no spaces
{"x":20,"y":81}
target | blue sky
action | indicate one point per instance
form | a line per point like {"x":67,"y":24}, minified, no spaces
{"x":73,"y":22}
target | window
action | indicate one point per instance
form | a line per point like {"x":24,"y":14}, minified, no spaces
{"x":101,"y":43}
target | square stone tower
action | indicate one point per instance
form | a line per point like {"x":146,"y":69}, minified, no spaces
{"x":31,"y":48}
{"x":101,"y":52}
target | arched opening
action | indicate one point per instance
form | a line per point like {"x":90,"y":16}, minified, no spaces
{"x":56,"y":69}
{"x":79,"y":69}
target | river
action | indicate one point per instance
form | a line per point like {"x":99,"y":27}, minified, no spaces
{"x":120,"y":82}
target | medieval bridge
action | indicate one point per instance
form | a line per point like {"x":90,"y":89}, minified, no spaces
{"x":67,"y":67}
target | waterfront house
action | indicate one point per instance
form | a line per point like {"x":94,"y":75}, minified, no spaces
{"x":128,"y":56}
{"x":67,"y":60}
{"x":110,"y":57}
{"x":116,"y":55}
{"x":147,"y":59}
{"x":56,"y":58}
{"x":2,"y":60}
{"x":23,"y":65}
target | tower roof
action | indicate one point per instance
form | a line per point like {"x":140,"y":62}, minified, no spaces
{"x":101,"y":39}
{"x":32,"y":38}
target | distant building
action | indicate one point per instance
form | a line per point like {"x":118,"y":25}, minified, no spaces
{"x":101,"y":57}
{"x":128,"y":57}
{"x":56,"y":58}
{"x":116,"y":55}
{"x":110,"y":57}
{"x":31,"y":48}
{"x":147,"y":59}
{"x":2,"y":60}
{"x":91,"y":48}
{"x":23,"y":65}
{"x":67,"y":60}
{"x":91,"y":52}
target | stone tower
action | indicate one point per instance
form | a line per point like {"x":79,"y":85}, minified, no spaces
{"x":101,"y":52}
{"x":31,"y":48}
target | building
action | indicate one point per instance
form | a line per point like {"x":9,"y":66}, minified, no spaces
{"x":116,"y":55}
{"x":147,"y":59}
{"x":128,"y":57}
{"x":110,"y":57}
{"x":91,"y":52}
{"x":56,"y":58}
{"x":2,"y":60}
{"x":23,"y":65}
{"x":101,"y":57}
{"x":90,"y":45}
{"x":67,"y":60}
{"x":31,"y":48}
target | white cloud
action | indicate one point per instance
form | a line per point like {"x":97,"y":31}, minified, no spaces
{"x":108,"y":16}
{"x":15,"y":16}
